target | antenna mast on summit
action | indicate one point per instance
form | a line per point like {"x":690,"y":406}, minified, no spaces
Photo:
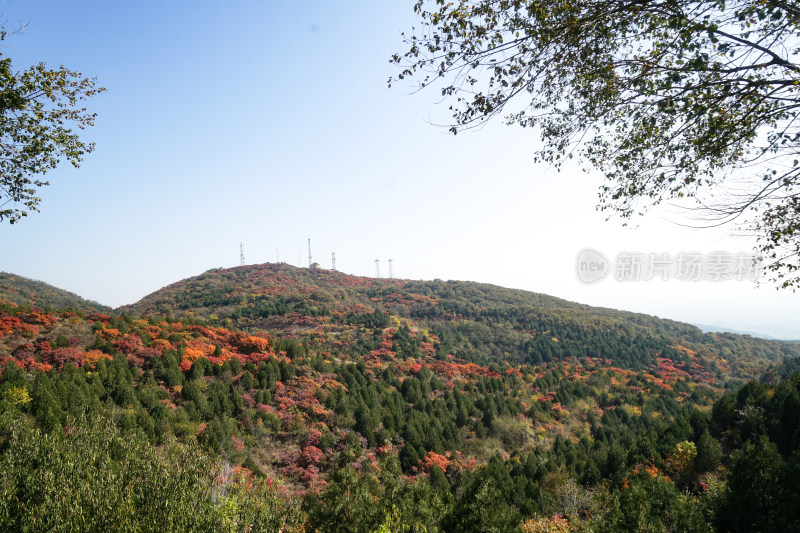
{"x":241,"y":254}
{"x":333,"y":260}
{"x":390,"y":269}
{"x":309,"y":253}
{"x":377,"y":268}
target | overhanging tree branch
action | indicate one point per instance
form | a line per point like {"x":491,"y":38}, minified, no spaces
{"x":668,"y":98}
{"x":38,"y":111}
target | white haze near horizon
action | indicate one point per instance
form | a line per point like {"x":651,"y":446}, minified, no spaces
{"x":269,"y":123}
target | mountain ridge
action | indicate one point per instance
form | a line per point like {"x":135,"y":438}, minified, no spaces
{"x":480,"y":319}
{"x":478,"y":322}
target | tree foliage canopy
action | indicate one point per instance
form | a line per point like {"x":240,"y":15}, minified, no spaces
{"x":668,"y":98}
{"x":39,"y":107}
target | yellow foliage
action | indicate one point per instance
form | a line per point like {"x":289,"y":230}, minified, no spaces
{"x":17,"y":396}
{"x":682,"y":458}
{"x":553,"y":524}
{"x":633,"y":410}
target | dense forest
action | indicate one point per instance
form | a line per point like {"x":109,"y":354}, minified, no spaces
{"x":271,"y":398}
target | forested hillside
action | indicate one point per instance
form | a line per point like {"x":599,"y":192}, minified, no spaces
{"x":478,"y":322}
{"x":311,"y":400}
{"x":25,"y":291}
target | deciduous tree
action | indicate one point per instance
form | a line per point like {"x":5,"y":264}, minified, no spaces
{"x":39,"y":109}
{"x":667,"y":98}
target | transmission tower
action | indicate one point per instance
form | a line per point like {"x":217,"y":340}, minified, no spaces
{"x":277,"y":256}
{"x":241,"y":254}
{"x":309,"y":253}
{"x":390,"y":269}
{"x":377,"y":268}
{"x":333,"y":260}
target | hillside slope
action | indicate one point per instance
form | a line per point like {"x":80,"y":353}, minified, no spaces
{"x":24,"y":291}
{"x":370,"y":404}
{"x":478,"y":322}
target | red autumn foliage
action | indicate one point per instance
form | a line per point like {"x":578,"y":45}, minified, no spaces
{"x":547,"y":397}
{"x":8,"y":324}
{"x":129,"y":344}
{"x":43,"y":346}
{"x":311,"y":455}
{"x":381,"y":355}
{"x":25,"y":351}
{"x":60,"y":356}
{"x":149,"y":352}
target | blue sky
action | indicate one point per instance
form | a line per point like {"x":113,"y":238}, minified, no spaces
{"x":269,"y":123}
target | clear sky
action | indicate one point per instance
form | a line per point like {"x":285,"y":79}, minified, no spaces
{"x":270,"y":122}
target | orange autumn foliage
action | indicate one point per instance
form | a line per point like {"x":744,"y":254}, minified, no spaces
{"x":433,"y":458}
{"x":249,"y":344}
{"x":93,"y":356}
{"x":108,"y":333}
{"x":161,"y":344}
